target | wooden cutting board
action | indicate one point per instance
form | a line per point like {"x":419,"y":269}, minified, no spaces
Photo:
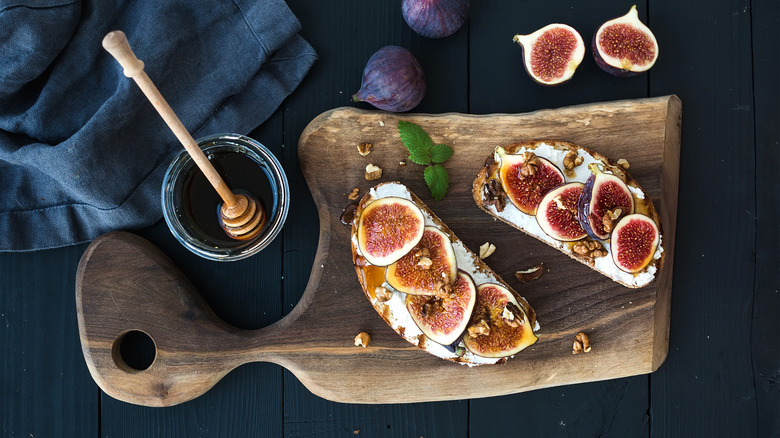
{"x":125,"y":284}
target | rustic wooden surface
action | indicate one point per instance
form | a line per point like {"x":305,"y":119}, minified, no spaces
{"x":719,"y":57}
{"x":125,"y":284}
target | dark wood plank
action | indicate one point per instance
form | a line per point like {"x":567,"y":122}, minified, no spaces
{"x":46,"y":389}
{"x":245,"y":294}
{"x":766,"y":299}
{"x":706,"y":386}
{"x":614,"y":408}
{"x":345,"y":34}
{"x":499,"y":83}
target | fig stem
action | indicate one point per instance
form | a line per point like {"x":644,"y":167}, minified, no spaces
{"x":355,"y":98}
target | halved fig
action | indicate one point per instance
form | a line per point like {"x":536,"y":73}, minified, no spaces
{"x":526,"y":178}
{"x":552,"y":53}
{"x":499,"y":326}
{"x":605,"y":199}
{"x":557,"y":214}
{"x":443,"y":319}
{"x":624,"y":46}
{"x":388,"y":228}
{"x":633,"y":242}
{"x":429,"y":268}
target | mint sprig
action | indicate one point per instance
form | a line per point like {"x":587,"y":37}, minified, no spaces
{"x":422,"y":151}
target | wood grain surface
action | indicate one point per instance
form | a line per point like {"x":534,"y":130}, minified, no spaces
{"x":194,"y":349}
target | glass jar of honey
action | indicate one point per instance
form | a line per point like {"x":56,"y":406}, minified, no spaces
{"x":191,"y":205}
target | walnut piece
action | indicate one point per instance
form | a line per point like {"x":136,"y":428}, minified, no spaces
{"x":581,"y":344}
{"x":382,"y":294}
{"x":609,"y":219}
{"x":354,"y":194}
{"x":530,"y":274}
{"x":512,"y":315}
{"x":362,"y":339}
{"x":485,"y":250}
{"x":571,"y":160}
{"x":530,"y":165}
{"x":402,"y":163}
{"x":424,"y":262}
{"x":494,"y":195}
{"x":589,"y":250}
{"x":623,"y":163}
{"x":373,"y":172}
{"x":479,"y":329}
{"x":364,"y":148}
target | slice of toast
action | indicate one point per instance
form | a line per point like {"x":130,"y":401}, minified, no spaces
{"x":394,"y":311}
{"x":490,"y":196}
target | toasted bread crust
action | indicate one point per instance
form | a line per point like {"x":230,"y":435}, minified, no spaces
{"x":484,"y":175}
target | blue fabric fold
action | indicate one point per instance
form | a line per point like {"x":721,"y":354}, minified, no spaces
{"x":82,"y":151}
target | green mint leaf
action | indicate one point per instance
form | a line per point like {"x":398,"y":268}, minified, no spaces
{"x":440,"y":153}
{"x":438,"y":180}
{"x":419,"y":157}
{"x":417,"y":141}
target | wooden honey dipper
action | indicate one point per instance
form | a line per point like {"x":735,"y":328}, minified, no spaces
{"x":241,"y":216}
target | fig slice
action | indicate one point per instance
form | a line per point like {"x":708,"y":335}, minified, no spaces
{"x":526,"y":178}
{"x":429,"y":268}
{"x":552,"y":53}
{"x":633,"y":242}
{"x":604,"y":200}
{"x":499,"y":326}
{"x":389,"y":228}
{"x":557,"y":214}
{"x":624,"y":46}
{"x":444,"y":319}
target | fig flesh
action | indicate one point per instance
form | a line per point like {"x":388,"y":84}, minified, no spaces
{"x":389,"y":228}
{"x":526,"y":178}
{"x":552,"y":54}
{"x":392,"y":80}
{"x":499,"y":326}
{"x":624,"y":46}
{"x":444,"y":319}
{"x":557,"y":214}
{"x":435,"y":18}
{"x":429,"y":268}
{"x":605,"y":199}
{"x":633,"y":242}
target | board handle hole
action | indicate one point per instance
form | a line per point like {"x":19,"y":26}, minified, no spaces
{"x":134,"y":349}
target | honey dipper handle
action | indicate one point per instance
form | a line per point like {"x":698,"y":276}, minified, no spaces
{"x":116,"y":44}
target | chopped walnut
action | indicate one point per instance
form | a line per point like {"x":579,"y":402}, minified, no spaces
{"x":571,"y":160}
{"x":479,"y":329}
{"x":402,"y":163}
{"x":485,"y":250}
{"x":609,"y":219}
{"x":442,"y":288}
{"x":623,"y":163}
{"x":422,"y":252}
{"x":530,"y":274}
{"x":512,"y":315}
{"x":364,"y":148}
{"x":494,"y":195}
{"x":382,"y":294}
{"x":589,"y":250}
{"x":424,"y":262}
{"x":581,"y":344}
{"x":530,"y":165}
{"x":354,"y":194}
{"x":373,"y":172}
{"x":362,"y":339}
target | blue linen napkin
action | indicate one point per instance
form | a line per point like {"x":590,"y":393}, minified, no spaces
{"x":82,"y":151}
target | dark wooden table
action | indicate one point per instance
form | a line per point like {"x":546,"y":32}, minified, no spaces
{"x":722,"y":374}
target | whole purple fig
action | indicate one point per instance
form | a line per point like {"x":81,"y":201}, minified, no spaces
{"x":392,"y":80}
{"x":435,"y":18}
